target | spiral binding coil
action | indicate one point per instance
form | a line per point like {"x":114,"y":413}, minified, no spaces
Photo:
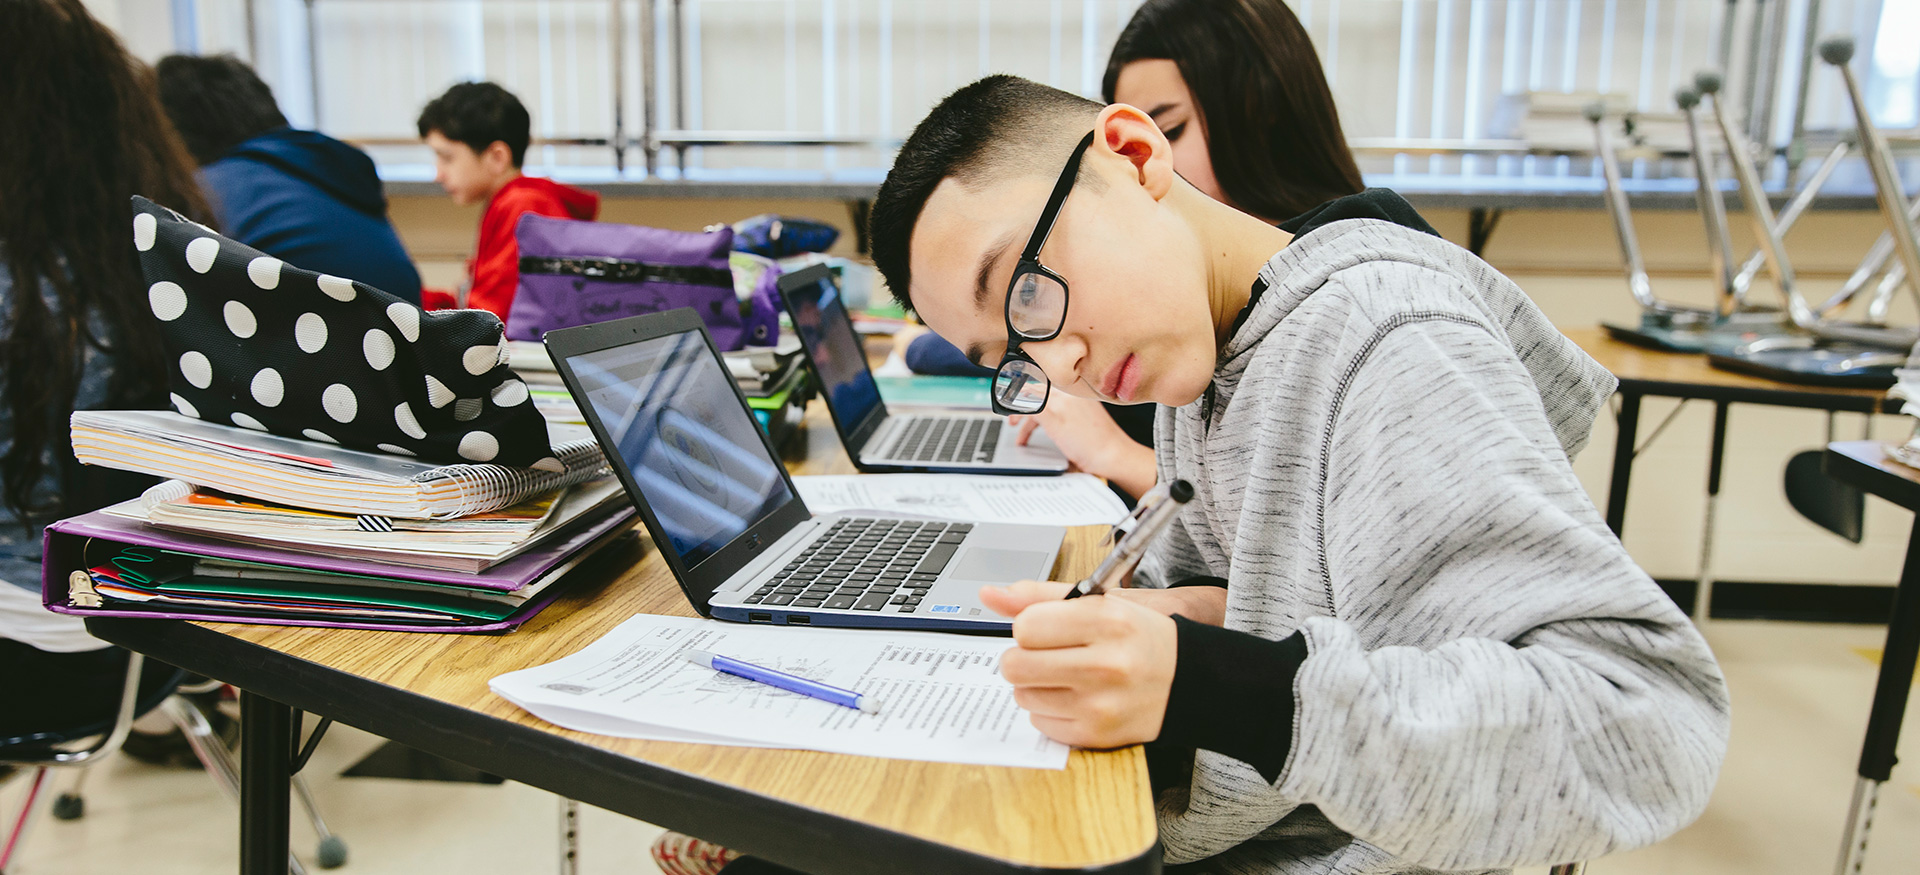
{"x":481,"y":488}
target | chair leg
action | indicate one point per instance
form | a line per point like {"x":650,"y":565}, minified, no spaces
{"x":207,"y":747}
{"x":569,"y":837}
{"x":26,"y":814}
{"x":332,"y":853}
{"x":70,"y":805}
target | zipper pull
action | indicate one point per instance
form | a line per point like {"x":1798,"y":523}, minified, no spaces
{"x":80,"y":591}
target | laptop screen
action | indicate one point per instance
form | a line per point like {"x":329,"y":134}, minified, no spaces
{"x":671,"y":414}
{"x":820,"y":318}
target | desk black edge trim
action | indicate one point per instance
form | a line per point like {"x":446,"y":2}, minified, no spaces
{"x":532,"y":757}
{"x":1870,"y":478}
{"x":1782,"y":397}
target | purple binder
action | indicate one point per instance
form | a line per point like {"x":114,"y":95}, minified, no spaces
{"x":65,"y":542}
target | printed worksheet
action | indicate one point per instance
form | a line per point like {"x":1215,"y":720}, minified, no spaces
{"x":941,"y":696}
{"x":1067,"y":500}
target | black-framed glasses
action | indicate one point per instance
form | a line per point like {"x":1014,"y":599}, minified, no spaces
{"x":1036,"y":306}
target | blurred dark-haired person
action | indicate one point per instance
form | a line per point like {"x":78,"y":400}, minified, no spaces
{"x":478,"y":132}
{"x":300,"y":196}
{"x":76,"y":329}
{"x":1238,"y":90}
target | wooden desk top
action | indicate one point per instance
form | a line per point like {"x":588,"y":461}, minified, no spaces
{"x":1688,"y":375}
{"x":1867,"y":465}
{"x":1096,"y":814}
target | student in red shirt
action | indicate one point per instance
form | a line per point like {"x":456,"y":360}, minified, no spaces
{"x":478,"y":132}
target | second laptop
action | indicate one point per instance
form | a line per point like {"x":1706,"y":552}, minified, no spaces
{"x":877,"y":441}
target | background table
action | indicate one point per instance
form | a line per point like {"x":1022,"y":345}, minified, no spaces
{"x":1644,"y":372}
{"x":814,"y":811}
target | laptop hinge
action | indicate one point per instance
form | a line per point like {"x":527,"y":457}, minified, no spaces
{"x":783,"y":549}
{"x":879,"y":444}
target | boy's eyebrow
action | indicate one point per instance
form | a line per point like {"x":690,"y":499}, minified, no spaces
{"x":987,"y":260}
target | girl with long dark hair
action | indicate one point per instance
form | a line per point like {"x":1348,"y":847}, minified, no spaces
{"x":1238,"y":89}
{"x":87,"y":133}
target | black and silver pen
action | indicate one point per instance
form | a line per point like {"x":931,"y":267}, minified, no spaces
{"x":1154,"y":513}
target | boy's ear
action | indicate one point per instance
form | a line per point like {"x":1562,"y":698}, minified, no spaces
{"x":497,"y":156}
{"x":1131,"y":134}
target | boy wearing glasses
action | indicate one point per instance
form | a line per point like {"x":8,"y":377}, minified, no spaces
{"x":1391,"y":633}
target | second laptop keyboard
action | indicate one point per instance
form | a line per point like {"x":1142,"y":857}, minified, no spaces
{"x":935,"y":439}
{"x":866,"y":565}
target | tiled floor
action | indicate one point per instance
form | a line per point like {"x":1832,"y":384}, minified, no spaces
{"x":1800,"y":698}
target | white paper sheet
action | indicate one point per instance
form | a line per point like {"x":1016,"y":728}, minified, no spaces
{"x":941,"y":696}
{"x":1067,"y":500}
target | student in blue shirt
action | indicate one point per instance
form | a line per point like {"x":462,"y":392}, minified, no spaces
{"x":300,"y":196}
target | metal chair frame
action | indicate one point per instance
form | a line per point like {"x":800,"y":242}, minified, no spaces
{"x":1767,"y":233}
{"x":1731,"y":297}
{"x":206,"y":746}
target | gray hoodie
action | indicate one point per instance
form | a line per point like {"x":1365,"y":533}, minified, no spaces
{"x":1383,"y":468}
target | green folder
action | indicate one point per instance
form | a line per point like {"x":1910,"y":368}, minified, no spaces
{"x":171,"y":573}
{"x":935,"y":391}
{"x":336,"y":594}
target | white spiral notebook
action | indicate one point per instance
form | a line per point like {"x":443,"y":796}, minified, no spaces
{"x":319,"y":476}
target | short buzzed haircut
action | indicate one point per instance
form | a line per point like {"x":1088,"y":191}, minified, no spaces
{"x":998,"y":128}
{"x":479,"y":114}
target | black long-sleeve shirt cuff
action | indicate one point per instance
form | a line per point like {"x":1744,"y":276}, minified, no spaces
{"x":1233,"y":695}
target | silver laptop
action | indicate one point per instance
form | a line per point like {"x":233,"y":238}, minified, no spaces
{"x":879,"y":441}
{"x":728,"y":519}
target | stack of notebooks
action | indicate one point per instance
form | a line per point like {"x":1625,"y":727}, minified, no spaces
{"x":535,"y":367}
{"x":259,"y":528}
{"x":777,"y":385}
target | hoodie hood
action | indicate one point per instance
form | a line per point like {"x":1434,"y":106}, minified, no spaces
{"x":1572,"y":386}
{"x":334,"y":167}
{"x":578,"y":202}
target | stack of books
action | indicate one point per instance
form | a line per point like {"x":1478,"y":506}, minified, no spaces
{"x":777,"y":384}
{"x":774,"y":379}
{"x":1557,"y":122}
{"x":259,"y":528}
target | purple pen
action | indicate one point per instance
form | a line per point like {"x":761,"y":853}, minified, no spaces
{"x":782,"y":680}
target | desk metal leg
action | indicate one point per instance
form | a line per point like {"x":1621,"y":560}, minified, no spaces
{"x":1703,"y":591}
{"x":569,"y":837}
{"x":1889,"y":706}
{"x":266,"y":770}
{"x":1629,"y":432}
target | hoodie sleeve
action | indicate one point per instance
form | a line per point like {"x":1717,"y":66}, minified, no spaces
{"x":1500,"y":684}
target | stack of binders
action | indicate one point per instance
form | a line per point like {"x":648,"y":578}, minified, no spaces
{"x":259,"y":528}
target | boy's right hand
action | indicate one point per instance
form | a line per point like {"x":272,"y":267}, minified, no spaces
{"x":1201,"y":604}
{"x":1093,"y":672}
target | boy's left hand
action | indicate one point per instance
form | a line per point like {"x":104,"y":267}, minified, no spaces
{"x":1094,"y":671}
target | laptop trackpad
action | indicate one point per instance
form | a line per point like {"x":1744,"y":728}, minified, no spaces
{"x":999,"y":566}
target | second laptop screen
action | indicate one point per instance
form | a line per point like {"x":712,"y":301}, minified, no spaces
{"x":821,"y":320}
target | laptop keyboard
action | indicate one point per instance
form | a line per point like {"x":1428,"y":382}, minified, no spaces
{"x":933,"y":439}
{"x":866,"y":565}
